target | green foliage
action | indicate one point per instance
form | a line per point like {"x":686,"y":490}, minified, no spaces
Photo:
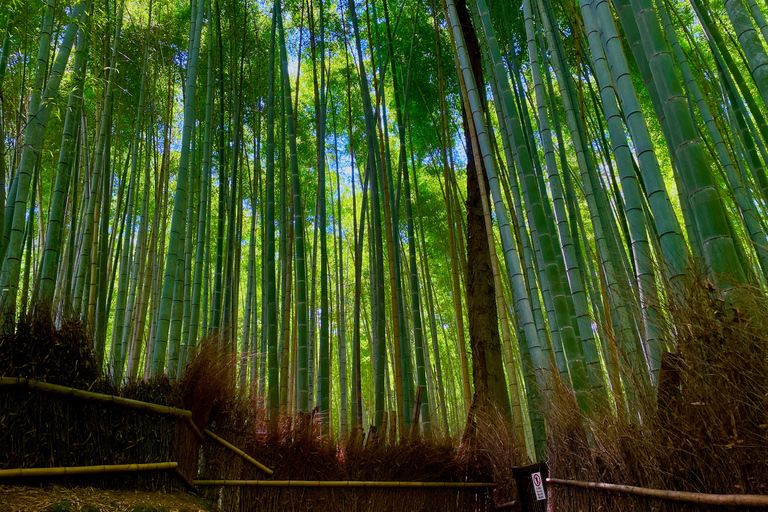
{"x":619,"y":202}
{"x":62,"y":506}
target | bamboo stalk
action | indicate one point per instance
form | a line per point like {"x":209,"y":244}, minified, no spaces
{"x":194,"y":429}
{"x":729,"y":500}
{"x":86,"y":470}
{"x":184,"y":479}
{"x":238,"y":451}
{"x":416,"y":411}
{"x":90,"y":396}
{"x":344,"y":483}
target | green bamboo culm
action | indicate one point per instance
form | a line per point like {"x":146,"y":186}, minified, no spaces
{"x":273,"y":396}
{"x":670,"y":238}
{"x":712,"y":222}
{"x":568,"y":242}
{"x":174,"y":350}
{"x":53,"y":241}
{"x":41,"y":103}
{"x":34,"y":130}
{"x":119,"y":341}
{"x":298,"y":223}
{"x":419,"y":342}
{"x":175,"y":242}
{"x":205,"y":184}
{"x":373,"y":165}
{"x":216,"y":292}
{"x":632,"y":194}
{"x":603,"y":223}
{"x":572,"y":345}
{"x":324,"y":367}
{"x":754,"y":49}
{"x":741,"y":193}
{"x":341,"y":309}
{"x":541,"y":365}
{"x":4,"y":51}
{"x":232,"y":216}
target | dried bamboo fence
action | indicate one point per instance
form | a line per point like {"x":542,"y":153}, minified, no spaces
{"x":312,"y":472}
{"x":65,"y":421}
{"x":55,"y":431}
{"x":102,"y":423}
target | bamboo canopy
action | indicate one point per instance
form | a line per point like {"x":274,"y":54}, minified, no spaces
{"x":167,"y":175}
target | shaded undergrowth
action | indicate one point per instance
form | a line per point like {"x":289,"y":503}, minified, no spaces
{"x":703,"y":429}
{"x":298,"y":449}
{"x":42,"y":430}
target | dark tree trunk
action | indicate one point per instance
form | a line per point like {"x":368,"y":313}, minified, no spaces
{"x":487,"y":362}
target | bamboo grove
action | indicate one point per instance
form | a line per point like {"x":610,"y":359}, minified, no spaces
{"x":382,"y":204}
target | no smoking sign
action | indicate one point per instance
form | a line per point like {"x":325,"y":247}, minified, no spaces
{"x":538,"y":486}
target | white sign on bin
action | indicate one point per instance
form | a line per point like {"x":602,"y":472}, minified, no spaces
{"x":538,"y":486}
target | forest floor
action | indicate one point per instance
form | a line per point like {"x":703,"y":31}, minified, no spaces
{"x":89,"y":499}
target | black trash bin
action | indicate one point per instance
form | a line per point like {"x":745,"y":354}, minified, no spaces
{"x":531,"y":486}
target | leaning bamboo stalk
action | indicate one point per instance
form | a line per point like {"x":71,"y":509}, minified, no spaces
{"x":90,"y":396}
{"x":416,"y":411}
{"x":238,"y":451}
{"x":184,"y":479}
{"x":86,"y":470}
{"x":344,"y":483}
{"x":729,"y":500}
{"x":452,"y":244}
{"x":194,"y":429}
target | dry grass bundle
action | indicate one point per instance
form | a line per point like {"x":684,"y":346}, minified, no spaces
{"x":298,"y":450}
{"x":157,"y":390}
{"x":38,"y":350}
{"x":208,"y":380}
{"x":303,"y":459}
{"x":705,"y":430}
{"x":498,"y":451}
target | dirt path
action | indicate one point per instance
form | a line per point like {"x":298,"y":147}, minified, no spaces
{"x":88,"y":499}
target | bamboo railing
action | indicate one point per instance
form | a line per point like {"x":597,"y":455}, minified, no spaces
{"x":86,"y":470}
{"x":238,"y":451}
{"x":345,"y":483}
{"x":90,"y":396}
{"x":728,"y":500}
{"x":186,"y":415}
